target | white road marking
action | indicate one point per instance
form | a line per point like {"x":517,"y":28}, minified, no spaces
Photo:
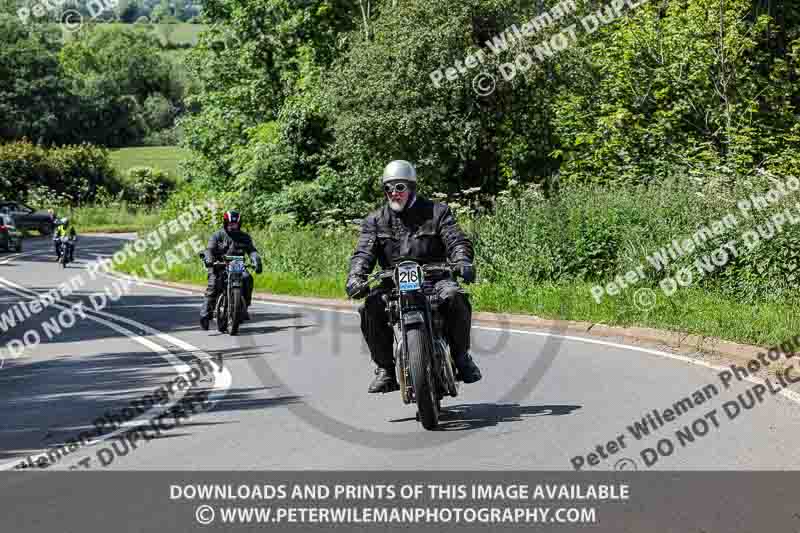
{"x":222,"y":376}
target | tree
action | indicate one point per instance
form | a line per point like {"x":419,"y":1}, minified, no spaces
{"x":35,"y":99}
{"x":255,"y":55}
{"x":115,"y":70}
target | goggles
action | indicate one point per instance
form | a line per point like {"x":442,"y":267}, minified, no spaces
{"x":398,"y":187}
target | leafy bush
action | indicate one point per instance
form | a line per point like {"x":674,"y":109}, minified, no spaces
{"x":158,"y":111}
{"x":71,"y":172}
{"x":84,"y":168}
{"x":186,"y":196}
{"x":44,"y":196}
{"x":594,"y":233}
{"x":147,"y":186}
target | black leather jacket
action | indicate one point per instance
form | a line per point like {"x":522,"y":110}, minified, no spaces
{"x":224,"y":243}
{"x":427,"y":230}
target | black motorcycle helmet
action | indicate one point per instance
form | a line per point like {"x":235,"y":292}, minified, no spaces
{"x":232,"y":221}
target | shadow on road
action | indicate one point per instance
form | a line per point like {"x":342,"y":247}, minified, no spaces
{"x":48,"y":402}
{"x":480,"y":415}
{"x":50,"y":399}
{"x":169,"y":313}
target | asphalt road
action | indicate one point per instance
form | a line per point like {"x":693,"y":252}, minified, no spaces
{"x":290,"y":392}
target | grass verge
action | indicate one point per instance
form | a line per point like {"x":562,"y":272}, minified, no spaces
{"x":305,"y":263}
{"x":112,"y":219}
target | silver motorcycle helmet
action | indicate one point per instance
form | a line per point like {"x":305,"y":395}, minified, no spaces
{"x":399,"y":170}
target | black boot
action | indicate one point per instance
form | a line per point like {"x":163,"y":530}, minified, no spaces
{"x":385,"y":381}
{"x":468,"y":371}
{"x":206,"y":312}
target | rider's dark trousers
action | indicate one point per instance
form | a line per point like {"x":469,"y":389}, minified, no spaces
{"x":456,"y":310}
{"x":214,"y":288}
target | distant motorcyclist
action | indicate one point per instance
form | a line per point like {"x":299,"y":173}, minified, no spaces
{"x":412,"y":226}
{"x":64,"y":229}
{"x":230,"y":240}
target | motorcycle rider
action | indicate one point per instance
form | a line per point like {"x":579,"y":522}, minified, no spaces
{"x":64,"y":229}
{"x":230,"y":240}
{"x":411,"y":226}
{"x":56,"y":240}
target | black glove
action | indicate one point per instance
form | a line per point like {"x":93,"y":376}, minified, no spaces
{"x":256,"y":259}
{"x":466,"y":271}
{"x":356,"y":288}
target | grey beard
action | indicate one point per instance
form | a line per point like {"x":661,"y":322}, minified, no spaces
{"x":397,"y":206}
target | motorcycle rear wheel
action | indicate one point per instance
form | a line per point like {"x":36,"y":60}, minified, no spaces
{"x":419,"y":362}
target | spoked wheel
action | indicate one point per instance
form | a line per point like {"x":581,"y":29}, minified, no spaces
{"x":236,"y":310}
{"x":221,"y":313}
{"x":421,"y":378}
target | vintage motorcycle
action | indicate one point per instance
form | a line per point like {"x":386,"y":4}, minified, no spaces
{"x":66,"y":250}
{"x":424,"y":365}
{"x":231,"y":306}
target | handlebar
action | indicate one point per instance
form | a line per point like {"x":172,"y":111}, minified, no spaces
{"x":202,"y":256}
{"x":389,"y":272}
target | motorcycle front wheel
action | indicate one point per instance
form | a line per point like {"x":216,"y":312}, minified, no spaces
{"x":221,"y":313}
{"x":419,"y":362}
{"x":236,"y":307}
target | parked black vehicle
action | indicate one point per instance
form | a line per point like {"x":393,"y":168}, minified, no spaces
{"x":10,"y":236}
{"x":28,"y":218}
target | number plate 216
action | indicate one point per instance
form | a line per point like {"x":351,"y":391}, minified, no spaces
{"x":409,"y":277}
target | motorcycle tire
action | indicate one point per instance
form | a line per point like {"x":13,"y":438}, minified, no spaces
{"x":236,"y":310}
{"x":221,"y":313}
{"x":419,"y":362}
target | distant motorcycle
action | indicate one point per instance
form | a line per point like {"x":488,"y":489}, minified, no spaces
{"x":231,"y":306}
{"x":424,"y":366}
{"x":66,"y":250}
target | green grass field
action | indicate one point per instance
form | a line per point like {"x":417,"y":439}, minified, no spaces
{"x":178,"y":33}
{"x":163,"y":157}
{"x":174,"y":33}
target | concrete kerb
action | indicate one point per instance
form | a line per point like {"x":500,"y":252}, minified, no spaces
{"x":676,"y":341}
